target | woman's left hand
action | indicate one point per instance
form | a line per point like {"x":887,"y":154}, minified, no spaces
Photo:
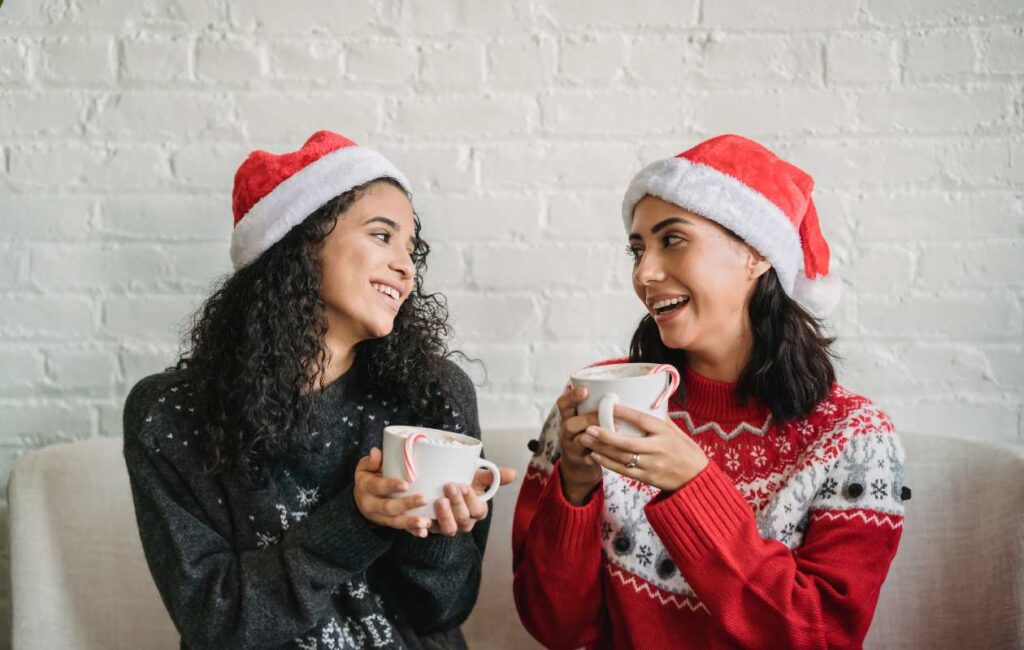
{"x":462,"y":506}
{"x":666,"y":458}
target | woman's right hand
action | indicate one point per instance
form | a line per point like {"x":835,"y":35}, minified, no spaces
{"x":580,"y":474}
{"x":374,"y":497}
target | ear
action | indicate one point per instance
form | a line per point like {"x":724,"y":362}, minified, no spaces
{"x":757,"y":265}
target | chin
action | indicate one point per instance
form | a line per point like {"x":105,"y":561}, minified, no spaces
{"x":380,"y":330}
{"x":676,"y":340}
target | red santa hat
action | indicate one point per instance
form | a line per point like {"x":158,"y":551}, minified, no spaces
{"x":763,"y":199}
{"x":274,"y":193}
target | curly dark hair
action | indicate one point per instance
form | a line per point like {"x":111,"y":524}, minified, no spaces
{"x":257,"y":348}
{"x":790,"y":368}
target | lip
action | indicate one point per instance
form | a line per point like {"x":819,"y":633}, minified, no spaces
{"x":388,"y":300}
{"x":661,"y":319}
{"x":650,"y":300}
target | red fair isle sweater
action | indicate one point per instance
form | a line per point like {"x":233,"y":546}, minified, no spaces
{"x":783,"y":541}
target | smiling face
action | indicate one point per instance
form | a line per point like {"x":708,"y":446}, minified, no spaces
{"x":366,"y":265}
{"x":694,"y":277}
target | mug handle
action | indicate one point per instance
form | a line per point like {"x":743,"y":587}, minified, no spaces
{"x":605,"y":417}
{"x":495,"y":484}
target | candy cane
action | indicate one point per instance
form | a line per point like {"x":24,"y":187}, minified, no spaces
{"x":673,"y":383}
{"x":410,"y":442}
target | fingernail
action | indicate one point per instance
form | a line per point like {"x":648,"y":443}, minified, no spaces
{"x":594,"y":431}
{"x":586,"y":440}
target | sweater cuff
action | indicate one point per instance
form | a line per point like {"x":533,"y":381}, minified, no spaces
{"x":340,"y":534}
{"x":705,"y":514}
{"x":432,"y":550}
{"x":569,"y":525}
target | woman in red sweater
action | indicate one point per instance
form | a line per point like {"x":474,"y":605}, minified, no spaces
{"x":764,"y":513}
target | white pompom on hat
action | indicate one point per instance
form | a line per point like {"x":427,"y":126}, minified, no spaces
{"x":763,"y":199}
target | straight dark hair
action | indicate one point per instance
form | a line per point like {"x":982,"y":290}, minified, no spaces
{"x":790,"y":368}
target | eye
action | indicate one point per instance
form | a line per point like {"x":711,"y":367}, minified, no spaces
{"x":671,"y":239}
{"x":383,"y":235}
{"x":634,"y":252}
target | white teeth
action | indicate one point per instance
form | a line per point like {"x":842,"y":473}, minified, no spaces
{"x":661,"y":304}
{"x":386,"y":290}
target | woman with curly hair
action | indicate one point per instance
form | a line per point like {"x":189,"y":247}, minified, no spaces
{"x":255,"y":462}
{"x":765,"y":510}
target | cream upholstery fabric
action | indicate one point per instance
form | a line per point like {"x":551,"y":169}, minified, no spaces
{"x":79,"y":579}
{"x":958,"y":578}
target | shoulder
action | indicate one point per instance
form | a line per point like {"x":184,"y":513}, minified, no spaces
{"x":852,"y":414}
{"x":157,"y":402}
{"x":459,"y":383}
{"x":844,"y":423}
{"x":460,"y":412}
{"x":853,"y":431}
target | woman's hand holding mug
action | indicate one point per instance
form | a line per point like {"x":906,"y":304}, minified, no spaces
{"x":665,"y":458}
{"x":580,"y":475}
{"x":375,"y":498}
{"x":463,"y":505}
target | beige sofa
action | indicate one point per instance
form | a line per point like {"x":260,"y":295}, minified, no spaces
{"x":79,"y":579}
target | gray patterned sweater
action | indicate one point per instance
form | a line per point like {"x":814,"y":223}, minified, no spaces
{"x":292,"y":563}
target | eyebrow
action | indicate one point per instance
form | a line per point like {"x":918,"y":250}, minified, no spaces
{"x":385,"y":221}
{"x":661,"y":225}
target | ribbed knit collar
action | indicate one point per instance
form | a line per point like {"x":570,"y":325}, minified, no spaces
{"x":718,"y":401}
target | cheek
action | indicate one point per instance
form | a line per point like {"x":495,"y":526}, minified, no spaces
{"x":343,"y":271}
{"x":638,"y":289}
{"x":719,"y":287}
{"x":336,"y":277}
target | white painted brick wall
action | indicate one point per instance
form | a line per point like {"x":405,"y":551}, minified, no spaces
{"x":520,"y":122}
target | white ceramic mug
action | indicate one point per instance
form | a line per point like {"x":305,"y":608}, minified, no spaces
{"x":434,"y":464}
{"x":644,"y":387}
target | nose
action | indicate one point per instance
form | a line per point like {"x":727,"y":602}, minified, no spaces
{"x":648,"y":270}
{"x":402,"y":263}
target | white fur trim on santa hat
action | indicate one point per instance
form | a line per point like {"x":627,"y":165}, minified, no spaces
{"x":302,"y":193}
{"x":819,"y":296}
{"x":727,"y":201}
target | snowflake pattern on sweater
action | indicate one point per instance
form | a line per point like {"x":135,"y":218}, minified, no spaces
{"x":843,"y":463}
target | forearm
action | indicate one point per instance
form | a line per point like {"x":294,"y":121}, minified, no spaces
{"x":759,"y":589}
{"x":437,"y":579}
{"x":558,"y":574}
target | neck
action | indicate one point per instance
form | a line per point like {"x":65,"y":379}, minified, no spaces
{"x":723,"y":362}
{"x":337,"y":366}
{"x":341,"y":354}
{"x":711,"y":399}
